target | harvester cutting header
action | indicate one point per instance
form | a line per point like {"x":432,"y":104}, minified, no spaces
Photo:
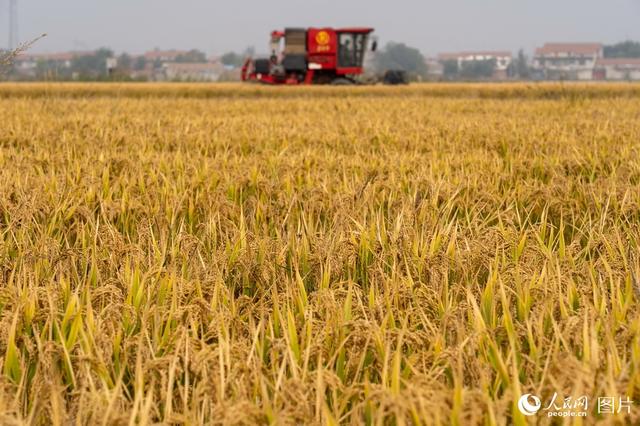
{"x":312,"y":56}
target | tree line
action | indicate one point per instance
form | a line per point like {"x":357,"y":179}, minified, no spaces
{"x":393,"y":56}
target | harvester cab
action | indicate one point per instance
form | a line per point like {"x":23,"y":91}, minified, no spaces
{"x":312,"y":56}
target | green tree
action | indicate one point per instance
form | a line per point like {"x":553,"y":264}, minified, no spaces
{"x":478,"y":69}
{"x":625,"y":49}
{"x":51,"y":70}
{"x":232,"y":59}
{"x":450,"y":68}
{"x":140,"y":63}
{"x":521,"y":66}
{"x":5,"y":62}
{"x":399,"y":56}
{"x":92,"y":66}
{"x":125,"y":62}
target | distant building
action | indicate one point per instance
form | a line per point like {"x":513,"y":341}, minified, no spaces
{"x":617,"y":69}
{"x":503,"y":60}
{"x":435,"y":69}
{"x":146,"y":72}
{"x":205,"y":71}
{"x":567,"y":61}
{"x":26,"y":64}
{"x":30,"y":61}
{"x":111,"y":65}
{"x":164,"y":55}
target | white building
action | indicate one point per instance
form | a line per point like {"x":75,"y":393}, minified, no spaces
{"x":26,"y":64}
{"x":26,"y":61}
{"x":435,"y":69}
{"x":621,"y":69}
{"x":567,"y":61}
{"x":204,"y":71}
{"x":503,"y":60}
{"x":164,"y":55}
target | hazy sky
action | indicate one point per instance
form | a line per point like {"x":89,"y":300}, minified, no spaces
{"x":218,"y":26}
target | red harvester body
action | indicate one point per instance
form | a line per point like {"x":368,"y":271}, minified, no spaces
{"x":311,"y":56}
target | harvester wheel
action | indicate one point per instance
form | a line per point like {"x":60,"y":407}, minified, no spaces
{"x":341,"y":82}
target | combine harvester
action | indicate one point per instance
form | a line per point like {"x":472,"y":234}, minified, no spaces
{"x":316,"y":56}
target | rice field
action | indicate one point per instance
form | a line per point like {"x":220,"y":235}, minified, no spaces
{"x":226,"y":254}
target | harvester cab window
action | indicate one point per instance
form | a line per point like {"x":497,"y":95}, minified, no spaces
{"x":345,"y":54}
{"x":351,"y":50}
{"x":360,"y":48}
